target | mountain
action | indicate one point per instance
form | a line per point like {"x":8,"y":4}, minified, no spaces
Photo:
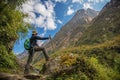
{"x":105,"y":26}
{"x":22,"y":55}
{"x":72,"y":30}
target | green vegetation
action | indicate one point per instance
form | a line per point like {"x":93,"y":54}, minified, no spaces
{"x":94,"y":62}
{"x":11,"y":26}
{"x":7,"y":62}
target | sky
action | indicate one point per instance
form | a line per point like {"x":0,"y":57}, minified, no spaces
{"x":48,"y":16}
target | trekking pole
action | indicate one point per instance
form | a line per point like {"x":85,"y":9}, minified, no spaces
{"x":51,"y":42}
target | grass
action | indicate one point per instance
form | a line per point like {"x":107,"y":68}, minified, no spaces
{"x":94,"y":62}
{"x":8,"y":62}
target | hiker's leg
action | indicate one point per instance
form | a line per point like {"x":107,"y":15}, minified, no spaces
{"x":27,"y":67}
{"x":44,"y":52}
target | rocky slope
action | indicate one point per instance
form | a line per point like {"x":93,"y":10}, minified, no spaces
{"x":71,"y":31}
{"x":105,"y":26}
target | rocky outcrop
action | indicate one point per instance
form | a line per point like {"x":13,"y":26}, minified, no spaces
{"x":59,"y":64}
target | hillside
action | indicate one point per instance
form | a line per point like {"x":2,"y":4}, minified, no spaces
{"x":105,"y":26}
{"x":90,"y":62}
{"x":72,"y":30}
{"x":86,"y":61}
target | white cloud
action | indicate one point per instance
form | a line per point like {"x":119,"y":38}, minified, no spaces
{"x":59,"y":21}
{"x":40,"y":21}
{"x":40,"y":8}
{"x":70,"y":11}
{"x":28,"y":6}
{"x":45,"y":17}
{"x":50,"y":23}
{"x":60,"y":1}
{"x":43,"y":34}
{"x":77,"y":1}
{"x":95,"y":1}
{"x":87,"y":5}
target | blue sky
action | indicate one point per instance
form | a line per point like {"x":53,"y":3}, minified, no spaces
{"x":48,"y":16}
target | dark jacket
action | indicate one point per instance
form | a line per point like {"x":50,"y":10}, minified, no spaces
{"x":33,"y":40}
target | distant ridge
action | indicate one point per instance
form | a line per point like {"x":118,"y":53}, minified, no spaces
{"x":72,"y":30}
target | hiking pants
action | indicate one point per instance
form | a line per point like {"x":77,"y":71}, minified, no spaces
{"x":30,"y":57}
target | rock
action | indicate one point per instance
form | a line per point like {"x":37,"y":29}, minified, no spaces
{"x":32,"y":76}
{"x":50,"y":67}
{"x":59,"y":64}
{"x":6,"y":76}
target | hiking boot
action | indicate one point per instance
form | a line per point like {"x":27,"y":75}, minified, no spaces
{"x":47,"y":59}
{"x":26,"y":72}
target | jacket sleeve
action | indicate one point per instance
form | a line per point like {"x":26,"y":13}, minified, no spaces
{"x":41,"y":38}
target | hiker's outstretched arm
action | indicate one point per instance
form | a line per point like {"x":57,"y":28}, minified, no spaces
{"x":42,"y":38}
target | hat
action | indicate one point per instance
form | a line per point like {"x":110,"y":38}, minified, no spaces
{"x":34,"y":32}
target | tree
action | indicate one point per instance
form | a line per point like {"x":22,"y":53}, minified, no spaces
{"x":11,"y":23}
